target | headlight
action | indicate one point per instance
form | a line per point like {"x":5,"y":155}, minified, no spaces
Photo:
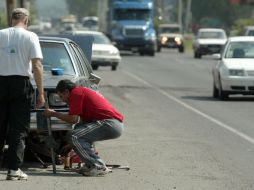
{"x":113,"y":52}
{"x":55,"y":100}
{"x":164,"y":39}
{"x":236,"y":72}
{"x":178,"y":40}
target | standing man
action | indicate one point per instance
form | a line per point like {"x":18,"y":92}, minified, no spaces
{"x":20,"y":55}
{"x":95,"y":119}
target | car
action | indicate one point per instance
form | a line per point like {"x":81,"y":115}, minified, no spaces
{"x":208,"y":41}
{"x":170,"y":36}
{"x":62,"y":59}
{"x":234,"y":72}
{"x":249,"y":31}
{"x":104,"y":53}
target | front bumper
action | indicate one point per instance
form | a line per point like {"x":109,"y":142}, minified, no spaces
{"x":209,"y":49}
{"x":105,"y":60}
{"x":135,"y":44}
{"x":170,"y":43}
{"x":238,"y":85}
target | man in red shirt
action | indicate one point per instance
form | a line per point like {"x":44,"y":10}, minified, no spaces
{"x":95,"y":119}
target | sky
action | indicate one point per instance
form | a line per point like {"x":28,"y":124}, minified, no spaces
{"x":51,"y":8}
{"x":46,"y":8}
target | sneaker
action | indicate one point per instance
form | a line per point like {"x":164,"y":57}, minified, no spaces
{"x":16,"y":175}
{"x":83,"y":169}
{"x":97,"y":171}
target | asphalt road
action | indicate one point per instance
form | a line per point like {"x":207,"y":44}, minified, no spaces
{"x":176,"y":137}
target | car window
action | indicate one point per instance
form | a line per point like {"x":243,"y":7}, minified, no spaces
{"x":79,"y":56}
{"x":169,"y":30}
{"x":55,"y":55}
{"x":212,"y":34}
{"x":240,"y":50}
{"x":100,"y":39}
{"x":250,"y":33}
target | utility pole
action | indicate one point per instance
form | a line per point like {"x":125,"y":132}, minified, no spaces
{"x":10,"y":5}
{"x":23,"y":3}
{"x":188,"y":16}
{"x":180,"y":13}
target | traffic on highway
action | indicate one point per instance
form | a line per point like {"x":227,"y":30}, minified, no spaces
{"x":182,"y":79}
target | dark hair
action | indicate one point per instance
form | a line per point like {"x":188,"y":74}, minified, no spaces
{"x":64,"y":85}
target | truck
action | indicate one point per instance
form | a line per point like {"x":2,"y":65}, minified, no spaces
{"x":130,"y":25}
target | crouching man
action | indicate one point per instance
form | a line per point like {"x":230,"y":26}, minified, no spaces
{"x":95,"y":119}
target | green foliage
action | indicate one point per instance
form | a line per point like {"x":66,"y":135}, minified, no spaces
{"x":3,"y":20}
{"x":219,"y":11}
{"x":240,"y":24}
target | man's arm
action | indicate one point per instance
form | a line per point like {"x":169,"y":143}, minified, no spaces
{"x":38,"y":77}
{"x":72,"y":119}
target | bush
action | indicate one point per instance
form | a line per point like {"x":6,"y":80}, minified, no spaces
{"x":240,"y":24}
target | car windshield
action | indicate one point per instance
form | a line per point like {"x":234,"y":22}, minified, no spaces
{"x":169,"y":30}
{"x":55,"y":55}
{"x":101,"y":39}
{"x":132,"y":14}
{"x":211,"y":34}
{"x":240,"y":50}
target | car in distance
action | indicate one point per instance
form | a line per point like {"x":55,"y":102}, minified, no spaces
{"x":249,"y":31}
{"x":104,"y":53}
{"x":208,"y":41}
{"x":62,"y":59}
{"x":234,"y":72}
{"x":170,"y":36}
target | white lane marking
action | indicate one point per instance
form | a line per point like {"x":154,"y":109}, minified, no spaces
{"x":221,"y":124}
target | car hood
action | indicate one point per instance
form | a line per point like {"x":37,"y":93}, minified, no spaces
{"x":104,"y":47}
{"x":212,"y":41}
{"x":172,"y":35}
{"x":50,"y":81}
{"x":246,"y":64}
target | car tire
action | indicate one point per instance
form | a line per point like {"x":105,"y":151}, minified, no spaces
{"x":181,"y":49}
{"x":95,"y":67}
{"x":215,"y":91}
{"x":221,"y":93}
{"x":151,"y":53}
{"x":197,"y":55}
{"x":113,"y":67}
{"x":159,"y":49}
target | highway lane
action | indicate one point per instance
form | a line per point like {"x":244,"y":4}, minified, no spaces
{"x":223,"y":128}
{"x":176,"y":137}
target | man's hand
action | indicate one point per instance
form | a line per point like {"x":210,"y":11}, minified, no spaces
{"x":40,"y":101}
{"x":48,"y":112}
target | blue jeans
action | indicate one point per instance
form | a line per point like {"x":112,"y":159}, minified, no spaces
{"x":85,"y":134}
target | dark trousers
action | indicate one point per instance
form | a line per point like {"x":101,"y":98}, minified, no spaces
{"x":15,"y":103}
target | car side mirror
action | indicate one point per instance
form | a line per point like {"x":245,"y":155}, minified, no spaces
{"x":94,"y":78}
{"x":217,"y":56}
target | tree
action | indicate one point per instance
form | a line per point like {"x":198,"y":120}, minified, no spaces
{"x":218,"y":13}
{"x":216,"y":10}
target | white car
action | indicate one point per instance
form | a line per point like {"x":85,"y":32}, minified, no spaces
{"x":208,"y":41}
{"x":234,"y":72}
{"x":104,"y":53}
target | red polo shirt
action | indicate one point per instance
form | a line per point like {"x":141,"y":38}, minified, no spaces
{"x":91,"y":105}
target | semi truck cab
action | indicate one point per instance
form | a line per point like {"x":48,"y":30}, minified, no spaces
{"x":131,"y":26}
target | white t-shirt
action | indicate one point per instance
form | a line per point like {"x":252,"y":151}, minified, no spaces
{"x":17,"y":47}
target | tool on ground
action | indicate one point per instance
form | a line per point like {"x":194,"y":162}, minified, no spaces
{"x":118,"y":166}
